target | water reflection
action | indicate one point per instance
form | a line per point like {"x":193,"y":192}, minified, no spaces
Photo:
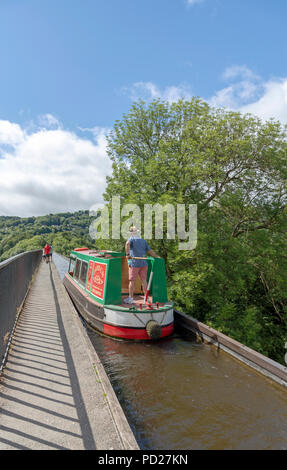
{"x":62,"y":264}
{"x":180,"y":394}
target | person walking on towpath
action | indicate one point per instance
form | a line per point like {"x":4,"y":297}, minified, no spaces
{"x":137,"y":247}
{"x":47,"y":250}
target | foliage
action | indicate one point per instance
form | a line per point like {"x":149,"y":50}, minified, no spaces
{"x":64,"y":231}
{"x":234,"y":167}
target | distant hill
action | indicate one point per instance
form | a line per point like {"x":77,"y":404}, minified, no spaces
{"x":64,"y":231}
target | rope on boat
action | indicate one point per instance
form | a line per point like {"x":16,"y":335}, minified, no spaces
{"x":139,"y":318}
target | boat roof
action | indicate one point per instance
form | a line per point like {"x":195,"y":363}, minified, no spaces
{"x":97,"y":253}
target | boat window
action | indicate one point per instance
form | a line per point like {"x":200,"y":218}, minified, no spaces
{"x":72,"y":266}
{"x":83,"y":275}
{"x":77,"y":268}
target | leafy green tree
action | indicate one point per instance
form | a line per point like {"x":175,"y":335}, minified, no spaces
{"x":234,"y":167}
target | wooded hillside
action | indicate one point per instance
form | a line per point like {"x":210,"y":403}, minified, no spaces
{"x":64,"y":231}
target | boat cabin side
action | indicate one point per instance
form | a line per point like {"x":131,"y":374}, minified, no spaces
{"x":103,"y":275}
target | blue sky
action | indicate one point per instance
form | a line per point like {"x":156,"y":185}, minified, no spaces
{"x":70,"y":68}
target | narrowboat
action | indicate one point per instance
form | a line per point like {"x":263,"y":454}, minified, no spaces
{"x":97,"y":282}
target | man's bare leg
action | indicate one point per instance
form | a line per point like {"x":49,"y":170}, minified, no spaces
{"x":144,"y":286}
{"x":131,"y":288}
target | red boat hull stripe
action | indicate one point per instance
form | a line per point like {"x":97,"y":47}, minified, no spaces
{"x":134,"y":333}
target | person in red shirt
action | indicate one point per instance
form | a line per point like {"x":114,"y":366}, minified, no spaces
{"x":47,"y":249}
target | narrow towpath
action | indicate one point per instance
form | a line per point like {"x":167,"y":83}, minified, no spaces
{"x":50,"y":394}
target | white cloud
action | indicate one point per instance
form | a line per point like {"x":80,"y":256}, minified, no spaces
{"x":98,"y":133}
{"x":50,"y":170}
{"x":241,"y":71}
{"x":249,"y":93}
{"x":245,"y":91}
{"x":272,"y":103}
{"x":236,"y":95}
{"x":244,"y":86}
{"x":11,"y":133}
{"x":49,"y":121}
{"x":149,"y":91}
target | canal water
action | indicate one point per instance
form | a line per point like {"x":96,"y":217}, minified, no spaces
{"x":181,"y":394}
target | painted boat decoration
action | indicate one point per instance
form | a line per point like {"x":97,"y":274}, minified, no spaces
{"x":97,"y":282}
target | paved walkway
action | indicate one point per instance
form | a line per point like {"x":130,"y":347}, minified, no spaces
{"x":54,"y":393}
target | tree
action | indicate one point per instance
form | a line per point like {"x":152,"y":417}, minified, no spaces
{"x":234,"y":167}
